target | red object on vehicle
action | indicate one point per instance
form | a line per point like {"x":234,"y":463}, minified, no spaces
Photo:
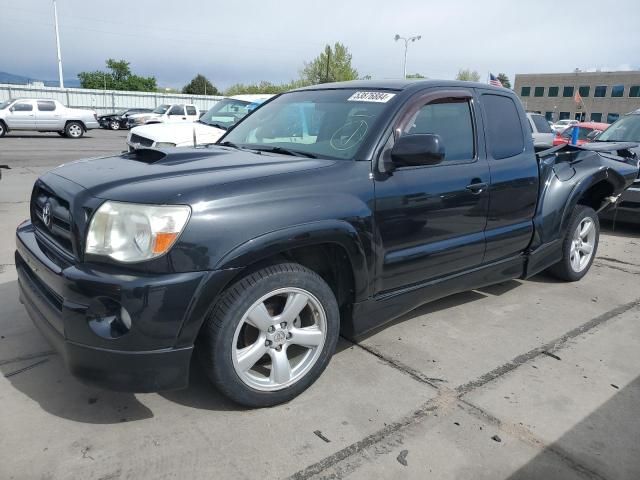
{"x":588,"y":130}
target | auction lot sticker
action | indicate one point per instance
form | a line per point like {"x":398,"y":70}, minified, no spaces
{"x":377,"y":97}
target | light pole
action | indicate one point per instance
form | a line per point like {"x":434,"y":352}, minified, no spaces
{"x":55,"y":20}
{"x":406,"y":47}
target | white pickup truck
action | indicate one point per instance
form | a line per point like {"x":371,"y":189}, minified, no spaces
{"x":165,"y":113}
{"x":208,"y":129}
{"x":45,"y":115}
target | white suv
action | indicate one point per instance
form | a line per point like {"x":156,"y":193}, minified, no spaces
{"x":45,"y":115}
{"x":177,"y":112}
{"x":208,"y":129}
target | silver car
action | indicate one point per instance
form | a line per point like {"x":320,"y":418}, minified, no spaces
{"x":540,"y":131}
{"x":45,"y":115}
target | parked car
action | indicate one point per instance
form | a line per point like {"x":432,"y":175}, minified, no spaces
{"x":118,"y":120}
{"x":625,"y":129}
{"x":562,"y":125}
{"x":331,"y":208}
{"x":43,"y":115}
{"x":208,"y":129}
{"x":587,"y":132}
{"x":178,"y":112}
{"x":540,"y":131}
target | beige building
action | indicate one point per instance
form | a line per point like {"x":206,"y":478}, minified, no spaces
{"x":605,"y":95}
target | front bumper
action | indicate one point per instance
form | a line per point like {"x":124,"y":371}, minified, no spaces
{"x":166,"y":313}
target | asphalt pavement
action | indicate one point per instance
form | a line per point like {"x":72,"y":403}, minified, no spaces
{"x":521,"y":380}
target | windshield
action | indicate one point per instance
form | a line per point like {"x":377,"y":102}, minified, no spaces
{"x":323,"y":123}
{"x":226,"y":113}
{"x":161,"y":108}
{"x":627,"y":129}
{"x":4,"y":105}
{"x":120,"y":112}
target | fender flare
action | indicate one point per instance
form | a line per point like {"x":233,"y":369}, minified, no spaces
{"x":337,"y":232}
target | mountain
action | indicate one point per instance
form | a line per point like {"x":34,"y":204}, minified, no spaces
{"x":12,"y":78}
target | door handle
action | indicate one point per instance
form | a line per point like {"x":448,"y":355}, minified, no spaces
{"x":477,"y":186}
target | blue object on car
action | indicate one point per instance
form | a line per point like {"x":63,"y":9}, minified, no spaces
{"x":574,"y":135}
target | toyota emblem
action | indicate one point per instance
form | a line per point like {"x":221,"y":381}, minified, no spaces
{"x":46,"y":214}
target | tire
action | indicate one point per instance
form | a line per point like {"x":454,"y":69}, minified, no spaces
{"x":3,"y":129}
{"x":579,"y":246}
{"x":114,"y":125}
{"x":230,"y":345}
{"x":74,"y":130}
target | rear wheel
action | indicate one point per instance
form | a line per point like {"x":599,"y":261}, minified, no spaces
{"x":74,"y":130}
{"x":579,"y":246}
{"x":3,"y":129}
{"x":114,"y":125}
{"x":270,"y":335}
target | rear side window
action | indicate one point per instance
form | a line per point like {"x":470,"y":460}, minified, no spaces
{"x":22,"y":107}
{"x":452,"y":121}
{"x":504,"y":128}
{"x":542,"y":126}
{"x":46,"y":106}
{"x":191,"y":110}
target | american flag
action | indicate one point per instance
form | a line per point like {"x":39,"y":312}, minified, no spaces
{"x":493,"y":80}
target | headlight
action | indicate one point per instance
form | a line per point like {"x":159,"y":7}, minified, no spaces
{"x":130,"y":232}
{"x":164,"y":144}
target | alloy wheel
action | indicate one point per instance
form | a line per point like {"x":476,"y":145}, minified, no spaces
{"x":279,"y":339}
{"x":582,"y":244}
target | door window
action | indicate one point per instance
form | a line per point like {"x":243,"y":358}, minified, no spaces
{"x":451,"y":120}
{"x":176,"y":110}
{"x":191,"y":110}
{"x":46,"y":106}
{"x":22,"y":107}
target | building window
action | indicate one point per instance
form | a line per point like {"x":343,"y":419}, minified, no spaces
{"x":601,"y":91}
{"x":596,"y":117}
{"x":584,"y":90}
{"x":612,"y":117}
{"x":634,"y":91}
{"x":525,"y":92}
{"x":564,"y":116}
{"x":538,"y":92}
{"x":617,"y":91}
{"x":548,"y":116}
{"x":553,"y":91}
{"x":580,"y":116}
{"x":567,"y":92}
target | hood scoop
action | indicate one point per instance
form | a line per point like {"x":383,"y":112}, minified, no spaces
{"x":172,"y":156}
{"x":147,"y":155}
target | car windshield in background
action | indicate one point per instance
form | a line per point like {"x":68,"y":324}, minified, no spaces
{"x":541,"y":124}
{"x":226,"y":113}
{"x":4,"y":105}
{"x":161,"y":109}
{"x":120,"y":112}
{"x":583,"y":134}
{"x":323,"y":123}
{"x":627,"y":129}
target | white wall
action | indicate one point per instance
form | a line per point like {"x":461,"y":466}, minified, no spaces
{"x":104,"y":101}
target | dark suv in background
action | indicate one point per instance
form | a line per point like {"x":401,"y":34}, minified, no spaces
{"x":118,"y":120}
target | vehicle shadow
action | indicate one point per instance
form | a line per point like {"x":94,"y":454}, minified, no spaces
{"x":603,"y":444}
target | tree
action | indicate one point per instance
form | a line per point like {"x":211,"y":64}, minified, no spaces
{"x":332,"y":65}
{"x":415,"y":76}
{"x":200,"y":85}
{"x":468,"y":75}
{"x":263,"y":87}
{"x":117,"y":77}
{"x":504,"y":80}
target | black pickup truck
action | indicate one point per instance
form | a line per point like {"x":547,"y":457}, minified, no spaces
{"x":333,"y":208}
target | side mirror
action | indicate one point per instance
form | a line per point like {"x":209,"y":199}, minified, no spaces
{"x":418,"y":149}
{"x":12,"y":109}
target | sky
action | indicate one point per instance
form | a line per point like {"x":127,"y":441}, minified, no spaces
{"x":242,"y":41}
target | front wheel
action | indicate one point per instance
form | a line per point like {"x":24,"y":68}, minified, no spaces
{"x":74,"y":130}
{"x":114,"y":125}
{"x":3,"y":129}
{"x":579,"y":246}
{"x":270,"y":335}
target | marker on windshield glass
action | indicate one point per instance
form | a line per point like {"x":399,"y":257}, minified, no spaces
{"x":574,"y":135}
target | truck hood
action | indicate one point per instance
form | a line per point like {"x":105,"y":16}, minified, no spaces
{"x":180,"y":133}
{"x":178,"y":175}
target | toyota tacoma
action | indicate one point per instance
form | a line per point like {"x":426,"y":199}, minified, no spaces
{"x":330,"y":209}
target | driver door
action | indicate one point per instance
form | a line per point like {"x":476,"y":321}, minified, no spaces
{"x":176,"y":114}
{"x":22,"y":116}
{"x":431,"y":219}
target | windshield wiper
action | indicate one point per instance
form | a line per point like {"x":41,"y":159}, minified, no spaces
{"x":216,"y":125}
{"x":228,"y":144}
{"x":284,"y":151}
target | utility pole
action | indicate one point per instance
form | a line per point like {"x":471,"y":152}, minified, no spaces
{"x":55,"y":20}
{"x":326,"y":78}
{"x":406,"y":47}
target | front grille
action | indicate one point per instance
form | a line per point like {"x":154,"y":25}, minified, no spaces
{"x":145,"y":142}
{"x":56,"y":223}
